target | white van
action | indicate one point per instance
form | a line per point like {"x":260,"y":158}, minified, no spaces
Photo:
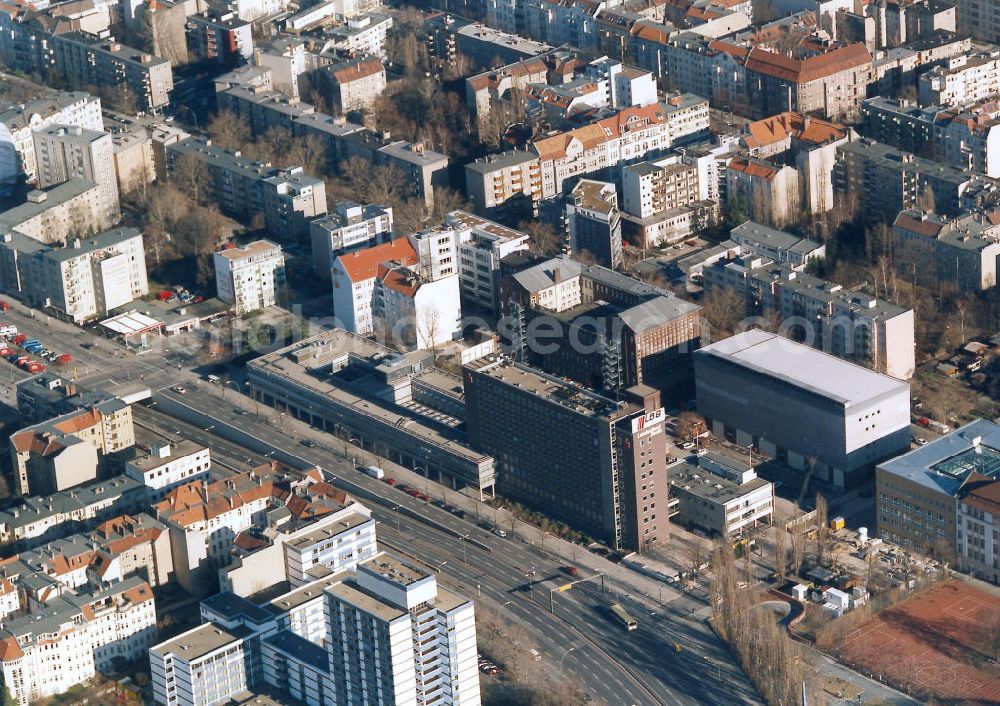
{"x":214,"y":379}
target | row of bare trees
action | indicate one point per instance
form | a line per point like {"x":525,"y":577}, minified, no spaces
{"x":768,"y":656}
{"x":507,"y":644}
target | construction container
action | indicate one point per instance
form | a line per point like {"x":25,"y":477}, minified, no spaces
{"x":837,"y":523}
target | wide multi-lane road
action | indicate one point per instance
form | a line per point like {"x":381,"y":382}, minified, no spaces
{"x":579,"y":637}
{"x":613,"y":665}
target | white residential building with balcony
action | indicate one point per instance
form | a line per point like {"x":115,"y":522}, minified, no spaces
{"x":250,"y":278}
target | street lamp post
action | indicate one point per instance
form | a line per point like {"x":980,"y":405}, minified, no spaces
{"x":561,"y":659}
{"x":353,"y":440}
{"x":396,"y":510}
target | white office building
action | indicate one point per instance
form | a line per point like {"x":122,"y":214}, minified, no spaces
{"x":250,"y":277}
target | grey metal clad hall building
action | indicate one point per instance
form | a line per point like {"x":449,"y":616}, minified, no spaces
{"x":801,"y":406}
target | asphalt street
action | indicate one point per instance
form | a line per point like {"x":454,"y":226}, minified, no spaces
{"x":611,"y":664}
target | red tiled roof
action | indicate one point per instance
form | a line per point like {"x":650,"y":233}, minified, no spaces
{"x":358,"y":70}
{"x":927,"y":228}
{"x":810,"y":69}
{"x":595,"y":134}
{"x":753,"y":168}
{"x":790,"y":124}
{"x":362,"y":265}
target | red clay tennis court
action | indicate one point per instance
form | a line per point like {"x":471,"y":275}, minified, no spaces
{"x":936,"y":643}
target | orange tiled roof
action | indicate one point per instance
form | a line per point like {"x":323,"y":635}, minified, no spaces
{"x":10,"y":650}
{"x":783,"y":126}
{"x":809,"y":69}
{"x":590,"y":136}
{"x":397,"y":280}
{"x":362,"y":265}
{"x":358,"y":70}
{"x":753,"y":168}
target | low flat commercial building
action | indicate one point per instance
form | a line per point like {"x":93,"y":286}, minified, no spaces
{"x":720,"y":496}
{"x":923,"y":501}
{"x":805,"y":408}
{"x":587,"y":460}
{"x":363,"y":391}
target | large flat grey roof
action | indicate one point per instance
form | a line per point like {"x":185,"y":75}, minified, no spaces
{"x":927,"y":465}
{"x":803,"y":366}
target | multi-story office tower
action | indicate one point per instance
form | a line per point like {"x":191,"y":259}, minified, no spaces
{"x":349,"y":227}
{"x":803,"y":407}
{"x":83,"y":280}
{"x":594,"y":463}
{"x":384,"y":633}
{"x":71,"y":152}
{"x":17,"y":144}
{"x":594,"y":223}
{"x":250,"y":277}
{"x":604,"y":329}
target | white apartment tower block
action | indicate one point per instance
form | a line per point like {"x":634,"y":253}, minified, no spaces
{"x":251,"y":276}
{"x":65,"y":152}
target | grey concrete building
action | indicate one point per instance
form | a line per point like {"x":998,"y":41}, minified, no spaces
{"x":396,"y":405}
{"x":805,"y":408}
{"x":886,"y":180}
